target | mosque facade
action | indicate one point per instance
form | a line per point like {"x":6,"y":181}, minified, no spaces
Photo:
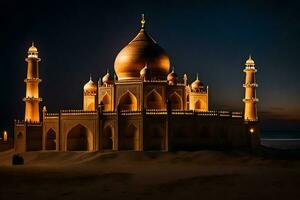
{"x":144,"y":106}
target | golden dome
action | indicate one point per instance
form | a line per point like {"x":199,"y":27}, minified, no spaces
{"x":142,"y":49}
{"x":197,"y":84}
{"x":90,"y":86}
{"x":172,"y":77}
{"x":107,"y":79}
{"x":250,"y":61}
{"x":32,"y":49}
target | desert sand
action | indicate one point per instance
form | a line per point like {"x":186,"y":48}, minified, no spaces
{"x":149,"y":175}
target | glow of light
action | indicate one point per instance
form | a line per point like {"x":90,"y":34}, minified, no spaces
{"x":251,"y":130}
{"x":5,"y":136}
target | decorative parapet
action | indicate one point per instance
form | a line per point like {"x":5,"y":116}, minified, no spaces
{"x":78,"y":112}
{"x":19,"y":122}
{"x":34,"y":123}
{"x":51,"y":115}
{"x":108,"y":113}
{"x":27,"y":123}
{"x":211,"y":113}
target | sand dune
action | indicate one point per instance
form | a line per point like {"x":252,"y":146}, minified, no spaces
{"x":148,"y":175}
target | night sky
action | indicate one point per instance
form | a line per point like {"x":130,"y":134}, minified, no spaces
{"x":213,"y":38}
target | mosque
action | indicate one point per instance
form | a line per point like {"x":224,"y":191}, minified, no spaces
{"x":143,"y":106}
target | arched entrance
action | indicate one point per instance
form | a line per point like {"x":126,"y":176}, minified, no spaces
{"x":128,"y":102}
{"x":154,"y":100}
{"x":130,"y":141}
{"x":107,"y":138}
{"x":79,"y":138}
{"x":176,"y":101}
{"x":51,"y":140}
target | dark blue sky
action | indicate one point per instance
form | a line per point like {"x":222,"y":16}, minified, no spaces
{"x":214,"y":38}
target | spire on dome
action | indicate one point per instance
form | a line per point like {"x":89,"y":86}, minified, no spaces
{"x":143,"y":21}
{"x":197,"y":77}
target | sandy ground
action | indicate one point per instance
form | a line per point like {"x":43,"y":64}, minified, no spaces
{"x":148,"y":175}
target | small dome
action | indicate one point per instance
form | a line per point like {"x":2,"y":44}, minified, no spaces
{"x":250,"y":61}
{"x":145,"y":72}
{"x":90,"y":86}
{"x":172,"y":77}
{"x":32,"y":49}
{"x":107,"y":79}
{"x":197,"y":84}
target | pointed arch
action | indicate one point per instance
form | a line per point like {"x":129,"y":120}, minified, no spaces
{"x":106,"y":100}
{"x":108,"y":137}
{"x":197,"y":105}
{"x":51,"y":140}
{"x":176,"y":101}
{"x":79,"y":138}
{"x":154,"y":100}
{"x":128,"y":101}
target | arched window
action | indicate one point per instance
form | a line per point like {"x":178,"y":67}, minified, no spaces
{"x":154,"y":100}
{"x":197,"y":105}
{"x":106,"y":100}
{"x":128,"y":102}
{"x":176,"y":101}
{"x":51,"y":140}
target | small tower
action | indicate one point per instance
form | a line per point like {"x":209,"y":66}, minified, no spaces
{"x":90,"y":96}
{"x":32,"y":81}
{"x":250,"y":100}
{"x":198,"y":96}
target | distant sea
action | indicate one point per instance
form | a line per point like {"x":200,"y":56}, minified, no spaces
{"x":281,"y":139}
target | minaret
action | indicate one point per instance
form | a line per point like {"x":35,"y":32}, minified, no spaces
{"x":250,"y":112}
{"x":32,"y":81}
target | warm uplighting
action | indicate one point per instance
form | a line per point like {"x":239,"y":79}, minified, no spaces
{"x":5,"y":136}
{"x":251,"y":130}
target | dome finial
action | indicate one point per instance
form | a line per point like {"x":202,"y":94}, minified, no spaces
{"x":90,"y":77}
{"x":250,"y":61}
{"x":107,"y":71}
{"x":197,"y":77}
{"x":32,"y":43}
{"x":173,"y":69}
{"x":143,"y":21}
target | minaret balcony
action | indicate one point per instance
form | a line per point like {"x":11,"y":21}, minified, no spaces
{"x":32,"y":99}
{"x":250,"y":85}
{"x":32,"y":80}
{"x":250,"y":69}
{"x":250,"y":100}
